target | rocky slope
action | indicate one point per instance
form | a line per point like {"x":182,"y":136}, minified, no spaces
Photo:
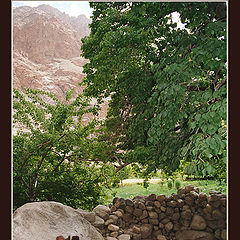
{"x":46,"y":50}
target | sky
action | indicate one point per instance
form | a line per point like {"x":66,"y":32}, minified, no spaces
{"x":72,"y":8}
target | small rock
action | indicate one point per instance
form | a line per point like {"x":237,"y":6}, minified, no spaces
{"x":193,"y":194}
{"x":153,"y":214}
{"x":111,"y":238}
{"x":124,"y":237}
{"x":102,"y":211}
{"x":202,"y":197}
{"x":114,"y":234}
{"x":114,"y":218}
{"x":113,"y":228}
{"x":118,"y":213}
{"x":136,"y":229}
{"x":146,"y":230}
{"x":137,"y":212}
{"x":152,"y":197}
{"x":141,"y":205}
{"x":98,"y":222}
{"x":169,"y":226}
{"x":189,"y":188}
{"x":157,"y":204}
{"x":216,"y":214}
{"x":198,"y":223}
{"x":163,"y":209}
{"x":161,"y":197}
{"x":144,"y":215}
{"x":189,"y":201}
{"x":153,"y":221}
{"x":186,"y":215}
{"x":127,"y":217}
{"x":161,"y":237}
{"x":129,"y":202}
{"x":129,"y":209}
{"x":109,"y":221}
{"x":172,"y":204}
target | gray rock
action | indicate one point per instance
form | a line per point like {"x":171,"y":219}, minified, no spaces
{"x":47,"y":220}
{"x":90,"y":216}
{"x":102,"y":211}
{"x":113,"y":228}
{"x":99,"y":222}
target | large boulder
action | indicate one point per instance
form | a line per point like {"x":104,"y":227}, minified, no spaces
{"x":47,"y":220}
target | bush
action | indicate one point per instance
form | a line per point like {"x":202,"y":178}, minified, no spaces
{"x":177,"y":184}
{"x":170,"y":184}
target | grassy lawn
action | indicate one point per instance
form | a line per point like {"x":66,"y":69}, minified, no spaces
{"x":131,"y":190}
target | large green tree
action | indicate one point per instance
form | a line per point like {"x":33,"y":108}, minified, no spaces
{"x":167,"y":84}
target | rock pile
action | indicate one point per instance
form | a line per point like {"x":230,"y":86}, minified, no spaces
{"x":187,"y":215}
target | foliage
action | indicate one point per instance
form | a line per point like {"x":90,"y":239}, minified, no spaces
{"x":170,"y":184}
{"x":167,"y":84}
{"x":53,"y":153}
{"x":177,"y":184}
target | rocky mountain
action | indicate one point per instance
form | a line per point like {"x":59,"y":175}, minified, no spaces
{"x":46,"y":50}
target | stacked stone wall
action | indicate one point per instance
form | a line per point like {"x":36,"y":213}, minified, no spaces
{"x":187,"y":215}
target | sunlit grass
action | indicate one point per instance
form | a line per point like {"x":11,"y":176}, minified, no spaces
{"x":132,"y":190}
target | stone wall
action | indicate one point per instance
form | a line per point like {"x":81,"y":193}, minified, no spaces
{"x":187,"y":215}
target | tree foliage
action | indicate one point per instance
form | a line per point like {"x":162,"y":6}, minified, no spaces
{"x":167,"y":84}
{"x":53,"y":153}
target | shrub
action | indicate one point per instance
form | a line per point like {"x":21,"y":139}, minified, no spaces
{"x":177,"y":184}
{"x":170,"y":184}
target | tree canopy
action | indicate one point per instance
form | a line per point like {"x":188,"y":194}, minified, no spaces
{"x":167,"y":84}
{"x":53,"y":152}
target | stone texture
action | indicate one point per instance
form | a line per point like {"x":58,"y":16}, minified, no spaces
{"x":146,"y":230}
{"x":124,"y":237}
{"x":151,"y":219}
{"x":153,"y":214}
{"x":47,"y":220}
{"x":99,"y":222}
{"x":198,"y":223}
{"x":113,"y":228}
{"x":193,"y":235}
{"x":90,"y":216}
{"x":169,"y":226}
{"x":161,"y":237}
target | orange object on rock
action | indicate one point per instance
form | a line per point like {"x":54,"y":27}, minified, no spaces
{"x":60,"y":238}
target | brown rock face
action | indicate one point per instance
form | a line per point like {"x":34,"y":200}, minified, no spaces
{"x":46,"y":51}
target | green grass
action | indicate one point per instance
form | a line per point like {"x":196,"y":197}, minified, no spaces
{"x":130,"y":191}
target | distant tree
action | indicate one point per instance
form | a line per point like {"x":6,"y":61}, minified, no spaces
{"x":167,"y":84}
